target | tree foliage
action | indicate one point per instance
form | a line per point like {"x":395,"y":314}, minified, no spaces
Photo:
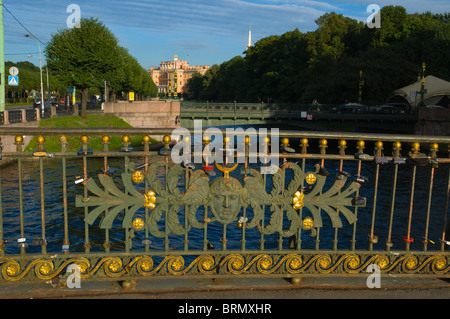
{"x":88,"y":56}
{"x":325,"y":64}
{"x":29,"y":80}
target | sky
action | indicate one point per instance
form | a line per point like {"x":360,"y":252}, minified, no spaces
{"x":203,"y":32}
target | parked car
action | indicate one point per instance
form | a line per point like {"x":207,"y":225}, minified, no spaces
{"x":47,"y":104}
{"x":395,"y":108}
{"x":374,"y":109}
{"x":355,"y":108}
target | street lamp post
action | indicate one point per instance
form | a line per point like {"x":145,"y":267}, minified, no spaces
{"x":40,"y":68}
{"x":48,"y":83}
{"x":422,"y":84}
{"x":2,"y":60}
{"x":361,"y":83}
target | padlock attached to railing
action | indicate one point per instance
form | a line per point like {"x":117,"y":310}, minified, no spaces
{"x":342,"y":174}
{"x":81,"y":179}
{"x":166,"y":151}
{"x":110,"y":171}
{"x":417,"y":158}
{"x":39,"y":241}
{"x":359,"y":201}
{"x":22,"y":242}
{"x":380,"y":159}
{"x":126,"y":147}
{"x":84,"y":150}
{"x":397,"y":157}
{"x":361,"y":179}
{"x":207,"y":167}
{"x":432,"y":157}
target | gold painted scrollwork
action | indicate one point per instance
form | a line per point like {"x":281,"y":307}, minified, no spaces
{"x":382,"y":262}
{"x":352,"y":263}
{"x":175,"y":265}
{"x":44,"y":269}
{"x":113,"y":266}
{"x":440,"y":265}
{"x":264,"y":264}
{"x":82,"y":263}
{"x":11,"y":270}
{"x":410,"y":264}
{"x":144,"y":265}
{"x":235,"y":263}
{"x":206,"y":264}
{"x":323,"y":264}
{"x":293,"y":263}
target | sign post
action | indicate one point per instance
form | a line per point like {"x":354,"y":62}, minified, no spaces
{"x":13,"y":80}
{"x":2,"y":60}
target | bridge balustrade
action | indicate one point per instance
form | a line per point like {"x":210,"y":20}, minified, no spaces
{"x":335,"y":204}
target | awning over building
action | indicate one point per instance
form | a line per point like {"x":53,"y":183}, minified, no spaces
{"x":437,"y":92}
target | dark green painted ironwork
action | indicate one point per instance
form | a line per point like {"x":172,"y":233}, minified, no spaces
{"x":174,"y":196}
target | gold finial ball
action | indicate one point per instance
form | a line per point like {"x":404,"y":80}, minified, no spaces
{"x":226,"y":139}
{"x":63,"y":139}
{"x":323,"y":142}
{"x":146,"y":139}
{"x":285,"y":141}
{"x":342,"y":143}
{"x":166,"y":139}
{"x":105,"y":139}
{"x":187,"y":139}
{"x":361,"y":143}
{"x":18,"y":139}
{"x":40,"y":139}
{"x":267,"y":139}
{"x":397,"y":144}
{"x":416,"y":145}
{"x":84,"y":138}
{"x":125,"y":139}
{"x":206,"y":139}
{"x":247,"y":140}
{"x":379,"y":144}
{"x":304,"y":141}
{"x":434,"y":146}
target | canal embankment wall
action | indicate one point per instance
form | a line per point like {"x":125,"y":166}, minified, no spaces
{"x":152,"y":114}
{"x":433,"y":121}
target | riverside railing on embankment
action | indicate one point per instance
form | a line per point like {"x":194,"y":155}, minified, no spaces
{"x":337,"y":204}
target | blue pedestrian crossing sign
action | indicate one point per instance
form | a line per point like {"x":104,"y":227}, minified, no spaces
{"x":13,"y":80}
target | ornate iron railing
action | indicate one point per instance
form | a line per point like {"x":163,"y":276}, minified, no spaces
{"x":337,"y":203}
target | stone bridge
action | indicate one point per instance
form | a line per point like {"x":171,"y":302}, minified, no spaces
{"x":298,"y":115}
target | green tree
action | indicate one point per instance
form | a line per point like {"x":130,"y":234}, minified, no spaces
{"x":129,"y":76}
{"x":83,"y":57}
{"x":195,"y":85}
{"x":325,"y":64}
